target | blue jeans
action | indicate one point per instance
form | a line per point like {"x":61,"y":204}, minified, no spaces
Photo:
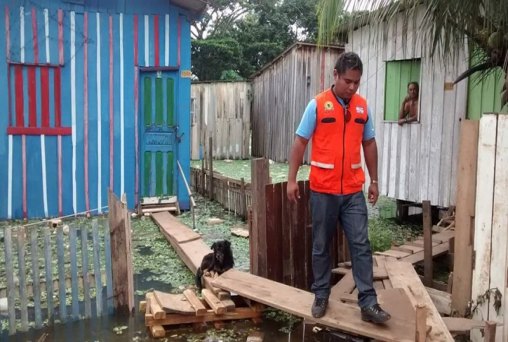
{"x":351,"y":212}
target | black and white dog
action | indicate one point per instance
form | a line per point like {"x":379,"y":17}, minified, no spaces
{"x":219,"y":261}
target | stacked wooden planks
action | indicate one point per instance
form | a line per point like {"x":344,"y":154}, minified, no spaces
{"x":169,"y":310}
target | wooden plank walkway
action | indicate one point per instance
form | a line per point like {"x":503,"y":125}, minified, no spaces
{"x":339,"y":315}
{"x":413,"y":252}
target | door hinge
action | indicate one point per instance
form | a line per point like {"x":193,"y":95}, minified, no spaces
{"x":474,"y":259}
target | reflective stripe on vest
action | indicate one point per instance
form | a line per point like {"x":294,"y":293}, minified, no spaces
{"x":336,"y":166}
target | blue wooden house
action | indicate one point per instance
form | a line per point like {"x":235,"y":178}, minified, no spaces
{"x":95,"y":95}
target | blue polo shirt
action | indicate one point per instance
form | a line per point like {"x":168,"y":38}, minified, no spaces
{"x":308,"y":122}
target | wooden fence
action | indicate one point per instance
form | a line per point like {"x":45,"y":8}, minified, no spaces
{"x":489,"y":286}
{"x":281,"y":232}
{"x":234,"y":195}
{"x":221,"y":110}
{"x":82,"y":253}
{"x":30,"y":253}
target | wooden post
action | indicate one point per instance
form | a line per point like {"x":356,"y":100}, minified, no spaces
{"x":121,"y":255}
{"x":260,"y":171}
{"x":464,"y":216}
{"x":421,"y":323}
{"x":490,"y":331}
{"x":243,"y":200}
{"x":427,"y":243}
{"x":210,"y":167}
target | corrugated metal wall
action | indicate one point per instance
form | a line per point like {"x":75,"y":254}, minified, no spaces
{"x":221,"y":110}
{"x":281,"y":93}
{"x":417,"y":161}
{"x":94,"y":83}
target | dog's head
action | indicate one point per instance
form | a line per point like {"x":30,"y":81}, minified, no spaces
{"x":221,"y":249}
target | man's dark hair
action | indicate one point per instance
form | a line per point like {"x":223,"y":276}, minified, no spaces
{"x":415,"y":84}
{"x":349,"y":61}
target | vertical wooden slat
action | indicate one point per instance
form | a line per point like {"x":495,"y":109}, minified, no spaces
{"x":35,"y":277}
{"x":85,"y":273}
{"x":74,"y":271}
{"x":22,"y":279}
{"x":9,"y":271}
{"x":260,"y":173}
{"x":61,"y":272}
{"x":296,"y":238}
{"x":483,"y":218}
{"x":498,"y":263}
{"x":464,"y":216}
{"x":427,"y":238}
{"x":97,"y":267}
{"x":210,"y":167}
{"x":48,"y":265}
{"x":273,"y":232}
{"x":109,"y":279}
{"x":286,"y":233}
{"x":308,"y":237}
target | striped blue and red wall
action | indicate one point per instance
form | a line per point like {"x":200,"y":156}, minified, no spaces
{"x":69,"y":112}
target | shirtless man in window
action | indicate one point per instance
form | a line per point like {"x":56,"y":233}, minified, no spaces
{"x":409,"y":109}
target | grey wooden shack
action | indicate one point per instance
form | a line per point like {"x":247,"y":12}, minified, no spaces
{"x":281,"y":91}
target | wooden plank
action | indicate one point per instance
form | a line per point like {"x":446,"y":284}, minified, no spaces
{"x":286,"y":233}
{"x":442,"y":300}
{"x":198,"y":306}
{"x":192,"y":252}
{"x":345,"y":285}
{"x":274,"y":236}
{"x":84,"y":268}
{"x":157,"y":331}
{"x":121,"y":254}
{"x":155,"y":307}
{"x":174,"y":303}
{"x":420,"y":243}
{"x":413,"y":249}
{"x":483,"y":218}
{"x":214,"y":302}
{"x":402,"y":249}
{"x":462,"y":325}
{"x":61,"y":273}
{"x":298,"y":232}
{"x":427,"y":238}
{"x":490,"y":331}
{"x":97,"y":266}
{"x":421,"y":323}
{"x":444,"y":236}
{"x":9,"y":272}
{"x":209,"y":316}
{"x":499,"y":255}
{"x":393,"y":254}
{"x":23,"y":298}
{"x":436,"y":250}
{"x":74,"y":272}
{"x":35,"y":277}
{"x":110,"y":304}
{"x":48,"y":266}
{"x":379,"y":274}
{"x":176,"y":230}
{"x":402,"y":275}
{"x":260,"y":174}
{"x":298,"y":302}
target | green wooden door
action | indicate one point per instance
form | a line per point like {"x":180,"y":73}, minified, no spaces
{"x":158,"y":134}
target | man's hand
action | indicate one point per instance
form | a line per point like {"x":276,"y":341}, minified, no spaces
{"x":373,"y":193}
{"x":293,"y":192}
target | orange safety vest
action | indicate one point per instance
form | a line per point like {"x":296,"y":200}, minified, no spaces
{"x":336,"y":160}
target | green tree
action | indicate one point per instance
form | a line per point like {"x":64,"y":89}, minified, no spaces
{"x":260,"y":29}
{"x":210,"y":57}
{"x":446,"y":23}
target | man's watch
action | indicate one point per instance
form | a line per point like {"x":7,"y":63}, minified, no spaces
{"x":374,"y":181}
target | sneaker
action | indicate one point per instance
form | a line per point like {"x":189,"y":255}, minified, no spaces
{"x":319,"y":307}
{"x":375,"y":314}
